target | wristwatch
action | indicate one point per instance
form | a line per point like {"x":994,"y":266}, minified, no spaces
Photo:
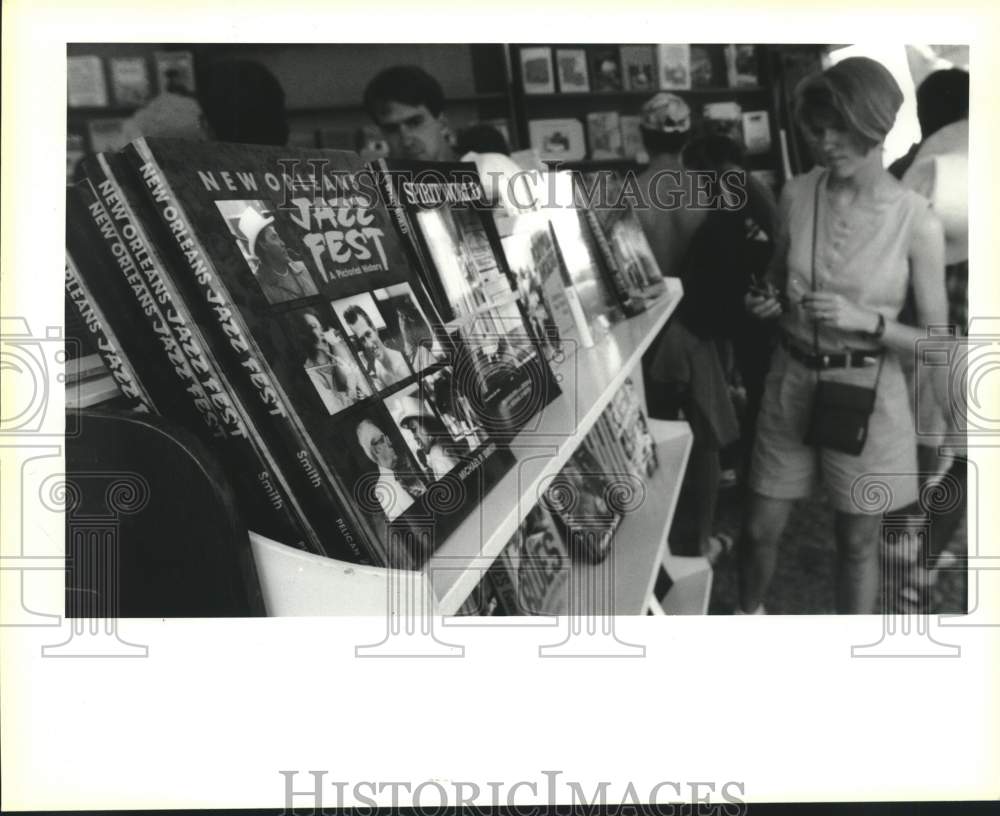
{"x":879,"y":328}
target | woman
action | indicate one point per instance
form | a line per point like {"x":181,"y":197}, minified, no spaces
{"x":330,"y":365}
{"x":851,"y":240}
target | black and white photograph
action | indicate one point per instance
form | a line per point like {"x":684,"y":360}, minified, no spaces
{"x":281,"y":275}
{"x":408,"y":325}
{"x":695,"y":464}
{"x":329,"y":356}
{"x":379,"y":346}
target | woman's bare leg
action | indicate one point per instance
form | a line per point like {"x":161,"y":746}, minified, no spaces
{"x":857,"y":562}
{"x":762,"y":528}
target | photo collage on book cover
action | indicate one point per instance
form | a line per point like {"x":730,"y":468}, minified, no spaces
{"x":380,"y":381}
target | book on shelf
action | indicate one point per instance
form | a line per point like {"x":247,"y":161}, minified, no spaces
{"x":674,"y":67}
{"x":702,"y":67}
{"x":604,"y":135}
{"x":629,"y":426}
{"x":321,"y":317}
{"x":175,"y":72}
{"x":555,"y":316}
{"x":558,"y":139}
{"x":531,"y":574}
{"x":605,"y":68}
{"x":571,"y":65}
{"x":580,"y":255}
{"x":130,"y":83}
{"x":85,"y":82}
{"x":724,"y":119}
{"x":632,"y":144}
{"x":756,"y":132}
{"x":127,"y":279}
{"x":741,"y":66}
{"x":578,"y":499}
{"x":638,"y":67}
{"x":442,"y":212}
{"x":536,"y":70}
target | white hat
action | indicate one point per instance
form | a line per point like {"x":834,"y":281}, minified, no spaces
{"x":250,"y":224}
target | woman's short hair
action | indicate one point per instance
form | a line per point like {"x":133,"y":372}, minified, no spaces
{"x":857,"y":95}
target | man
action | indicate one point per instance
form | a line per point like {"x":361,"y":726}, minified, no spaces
{"x":280,"y":276}
{"x":394,"y":493}
{"x":386,"y":366}
{"x":407,"y":103}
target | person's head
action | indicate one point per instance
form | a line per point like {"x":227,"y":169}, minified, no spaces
{"x":846,"y":111}
{"x":311,"y":328}
{"x":942,"y":99}
{"x":363,"y":328}
{"x":412,"y":325}
{"x":243,"y":102}
{"x":263,"y":241}
{"x":665,"y":124}
{"x":376,"y":444}
{"x":408,"y":105}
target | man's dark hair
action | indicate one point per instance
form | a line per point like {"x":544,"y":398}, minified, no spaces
{"x":481,"y":138}
{"x":353,"y":312}
{"x":407,"y":85}
{"x":657,"y":141}
{"x":244,"y":102}
{"x":942,"y":99}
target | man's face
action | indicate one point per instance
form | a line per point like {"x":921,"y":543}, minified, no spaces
{"x":412,"y":132}
{"x":370,"y":342}
{"x":270,"y":248}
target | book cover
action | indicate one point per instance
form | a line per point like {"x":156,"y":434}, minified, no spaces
{"x":531,"y":574}
{"x":605,"y":68}
{"x":530,"y":249}
{"x":724,"y":119}
{"x":571,"y":64}
{"x":578,"y":499}
{"x":674,"y":63}
{"x":621,"y":266}
{"x":604,"y":135}
{"x":130,"y":84}
{"x":558,"y":139}
{"x":536,"y":70}
{"x":175,"y":72}
{"x":632,"y":145}
{"x":169,"y":354}
{"x":85,"y":82}
{"x":756,"y":132}
{"x":76,"y":149}
{"x":702,"y":67}
{"x":741,"y":66}
{"x":321,"y":318}
{"x":580,"y":255}
{"x":638,"y":67}
{"x":442,"y":210}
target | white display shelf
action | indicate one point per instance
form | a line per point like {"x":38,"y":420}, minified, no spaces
{"x":297,"y":583}
{"x":588,"y":379}
{"x":641,"y":539}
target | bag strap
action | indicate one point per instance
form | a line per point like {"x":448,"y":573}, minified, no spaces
{"x":815,"y":232}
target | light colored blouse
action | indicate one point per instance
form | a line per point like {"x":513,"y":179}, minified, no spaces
{"x":861,"y":253}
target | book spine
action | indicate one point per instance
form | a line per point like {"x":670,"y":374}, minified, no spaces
{"x":115,"y":359}
{"x":320,"y":490}
{"x":266,"y":500}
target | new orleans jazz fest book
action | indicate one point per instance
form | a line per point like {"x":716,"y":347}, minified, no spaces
{"x":172,"y":356}
{"x":443,"y":213}
{"x":293,"y":268}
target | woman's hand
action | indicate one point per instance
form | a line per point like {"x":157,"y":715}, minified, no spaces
{"x":763,"y":307}
{"x":836,"y":311}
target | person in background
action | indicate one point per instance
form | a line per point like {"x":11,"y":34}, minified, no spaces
{"x":730,"y":253}
{"x":852,"y":239}
{"x":243,"y":102}
{"x":682,"y":369}
{"x":407,"y":103}
{"x":938,"y":168}
{"x":481,"y":138}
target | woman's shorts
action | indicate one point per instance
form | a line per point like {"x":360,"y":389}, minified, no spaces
{"x":881,"y":479}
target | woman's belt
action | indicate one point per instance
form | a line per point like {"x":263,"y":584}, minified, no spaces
{"x":820,"y":361}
